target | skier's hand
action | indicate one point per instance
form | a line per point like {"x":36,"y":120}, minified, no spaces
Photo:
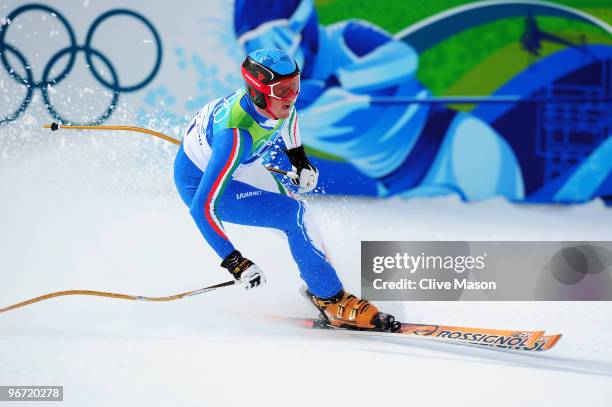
{"x":252,"y":277}
{"x":307,"y":174}
{"x":307,"y":178}
{"x":247,"y":274}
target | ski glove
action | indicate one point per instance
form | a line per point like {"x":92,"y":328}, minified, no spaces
{"x":307,"y":179}
{"x":246,"y":273}
{"x":307,"y":174}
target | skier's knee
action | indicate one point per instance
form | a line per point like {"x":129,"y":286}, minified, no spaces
{"x":196,"y":209}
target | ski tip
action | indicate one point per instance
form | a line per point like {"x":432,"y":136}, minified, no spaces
{"x":545,"y":343}
{"x":534,"y":337}
{"x":551,"y":340}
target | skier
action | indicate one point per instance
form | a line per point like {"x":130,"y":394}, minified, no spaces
{"x":219,"y":175}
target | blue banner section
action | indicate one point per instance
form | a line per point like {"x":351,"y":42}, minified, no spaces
{"x":362,"y":102}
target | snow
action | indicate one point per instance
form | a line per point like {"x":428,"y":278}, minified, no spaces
{"x":101,"y":213}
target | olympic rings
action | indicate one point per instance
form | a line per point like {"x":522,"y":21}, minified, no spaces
{"x":26,"y":82}
{"x":72,"y":50}
{"x":45,"y":90}
{"x":90,"y":34}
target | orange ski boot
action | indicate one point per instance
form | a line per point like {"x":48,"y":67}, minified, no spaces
{"x":344,"y":310}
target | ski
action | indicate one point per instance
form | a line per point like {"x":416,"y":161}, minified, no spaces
{"x":487,"y":338}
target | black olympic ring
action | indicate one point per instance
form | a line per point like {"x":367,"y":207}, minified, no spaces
{"x":73,"y":49}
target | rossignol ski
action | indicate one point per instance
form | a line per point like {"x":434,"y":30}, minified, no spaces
{"x":497,"y":339}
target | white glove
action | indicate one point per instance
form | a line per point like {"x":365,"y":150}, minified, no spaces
{"x":306,"y":179}
{"x":252,"y":277}
{"x":246,"y":273}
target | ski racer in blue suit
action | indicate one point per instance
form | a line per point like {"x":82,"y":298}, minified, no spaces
{"x":219,"y":175}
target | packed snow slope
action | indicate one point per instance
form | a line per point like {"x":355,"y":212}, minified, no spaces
{"x":92,"y":211}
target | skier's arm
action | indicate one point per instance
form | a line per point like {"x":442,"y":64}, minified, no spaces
{"x":291,"y":131}
{"x":228,"y":150}
{"x":307,"y":173}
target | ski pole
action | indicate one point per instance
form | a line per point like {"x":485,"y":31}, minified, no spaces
{"x":116,"y":295}
{"x":56,"y":126}
{"x":289,"y":174}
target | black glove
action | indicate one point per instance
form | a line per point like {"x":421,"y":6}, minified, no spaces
{"x":307,"y":174}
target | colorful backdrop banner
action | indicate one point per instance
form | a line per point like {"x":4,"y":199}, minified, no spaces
{"x":477,"y":99}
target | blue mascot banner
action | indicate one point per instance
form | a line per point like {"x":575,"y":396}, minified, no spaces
{"x":478,"y":99}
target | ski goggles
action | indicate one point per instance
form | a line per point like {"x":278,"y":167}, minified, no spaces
{"x":286,"y":88}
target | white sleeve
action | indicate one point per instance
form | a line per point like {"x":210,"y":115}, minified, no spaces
{"x":291,"y":131}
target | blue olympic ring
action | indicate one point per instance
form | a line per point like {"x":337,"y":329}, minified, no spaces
{"x":73,"y":49}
